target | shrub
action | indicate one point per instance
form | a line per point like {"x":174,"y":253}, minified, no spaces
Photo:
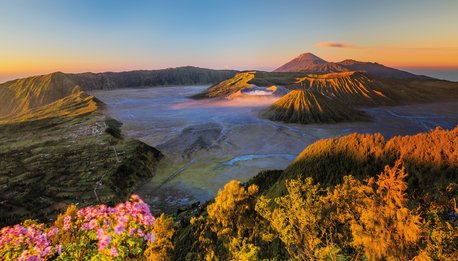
{"x":100,"y":232}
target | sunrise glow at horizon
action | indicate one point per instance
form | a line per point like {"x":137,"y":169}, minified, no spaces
{"x":79,"y":36}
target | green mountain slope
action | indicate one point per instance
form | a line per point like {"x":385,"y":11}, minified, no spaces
{"x":58,"y":147}
{"x":24,"y":94}
{"x":67,"y":152}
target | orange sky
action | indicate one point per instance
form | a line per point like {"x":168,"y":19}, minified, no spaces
{"x":77,"y":36}
{"x":446,"y":57}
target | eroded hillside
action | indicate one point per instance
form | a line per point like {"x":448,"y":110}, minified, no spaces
{"x":305,"y":106}
{"x":332,"y":97}
{"x":351,"y":88}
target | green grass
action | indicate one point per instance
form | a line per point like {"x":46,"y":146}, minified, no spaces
{"x":48,"y":164}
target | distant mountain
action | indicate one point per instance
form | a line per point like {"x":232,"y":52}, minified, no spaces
{"x":20,"y":95}
{"x":376,"y":69}
{"x":346,"y":91}
{"x":341,"y":92}
{"x":310,"y":63}
{"x":248,"y":79}
{"x":327,"y":98}
{"x":229,"y":86}
{"x":351,"y":88}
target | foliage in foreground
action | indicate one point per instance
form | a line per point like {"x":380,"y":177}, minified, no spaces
{"x":99,"y":232}
{"x":372,"y":219}
{"x":430,"y":158}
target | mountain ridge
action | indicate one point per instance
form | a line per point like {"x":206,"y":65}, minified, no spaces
{"x":24,"y":94}
{"x":310,"y":63}
{"x":76,"y":104}
{"x":376,"y":69}
{"x":350,"y":88}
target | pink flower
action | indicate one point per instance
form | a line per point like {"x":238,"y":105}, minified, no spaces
{"x":29,"y":243}
{"x":104,"y":239}
{"x":53,"y":231}
{"x":59,"y":249}
{"x":135,"y":197}
{"x":119,"y":229}
{"x":113,"y":252}
{"x":150,"y":237}
{"x":67,"y":222}
{"x":33,"y":258}
{"x":33,"y":242}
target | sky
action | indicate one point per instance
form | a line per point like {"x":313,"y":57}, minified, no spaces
{"x":38,"y":37}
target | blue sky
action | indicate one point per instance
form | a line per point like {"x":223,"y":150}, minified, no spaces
{"x":74,"y":36}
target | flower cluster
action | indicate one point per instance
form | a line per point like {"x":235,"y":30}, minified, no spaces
{"x":29,"y":241}
{"x":115,"y":226}
{"x":96,"y":231}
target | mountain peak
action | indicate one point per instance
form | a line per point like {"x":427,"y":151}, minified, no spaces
{"x":309,"y":56}
{"x":310,"y":63}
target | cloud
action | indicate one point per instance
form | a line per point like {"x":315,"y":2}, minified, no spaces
{"x":335,"y":45}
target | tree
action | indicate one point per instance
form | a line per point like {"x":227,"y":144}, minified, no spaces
{"x":386,"y":228}
{"x":299,"y":221}
{"x":231,"y":230}
{"x":162,"y":247}
{"x":233,"y":218}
